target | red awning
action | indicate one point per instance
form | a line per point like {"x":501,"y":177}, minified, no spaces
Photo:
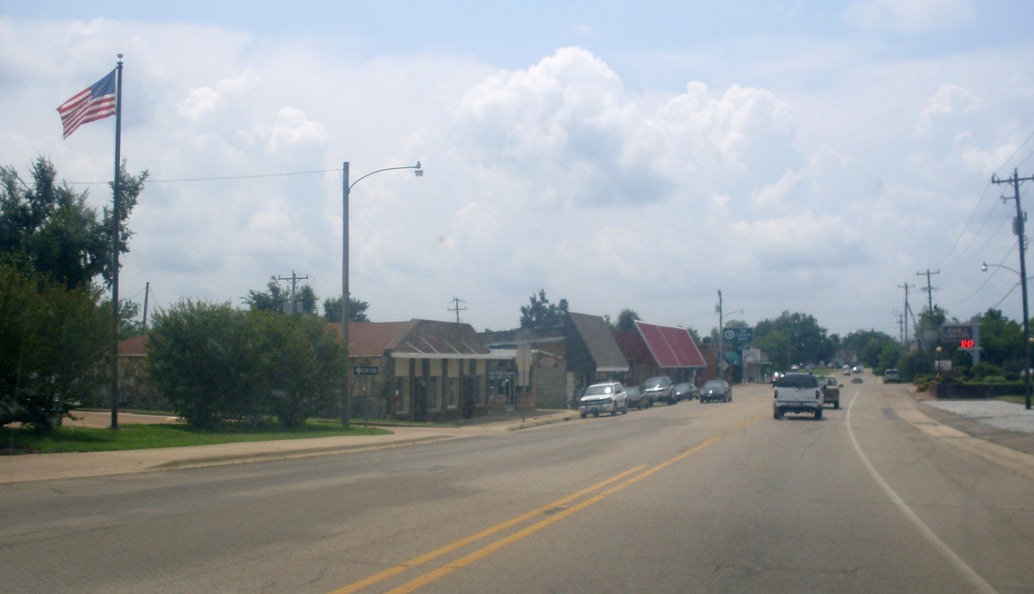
{"x":671,"y":347}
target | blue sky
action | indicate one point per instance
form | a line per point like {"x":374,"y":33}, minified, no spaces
{"x":799,"y":156}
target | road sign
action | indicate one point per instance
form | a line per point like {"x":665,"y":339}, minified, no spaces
{"x":738,"y":334}
{"x":365,"y":370}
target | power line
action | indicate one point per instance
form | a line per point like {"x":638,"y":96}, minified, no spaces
{"x":218,"y":178}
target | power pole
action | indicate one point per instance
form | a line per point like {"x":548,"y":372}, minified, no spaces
{"x":456,"y":307}
{"x":294,"y":278}
{"x":147,"y":293}
{"x":929,"y":289}
{"x":906,"y":287}
{"x":1018,"y":228}
{"x":720,"y":368}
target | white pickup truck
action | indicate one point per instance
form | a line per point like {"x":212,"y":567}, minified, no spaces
{"x":798,"y":393}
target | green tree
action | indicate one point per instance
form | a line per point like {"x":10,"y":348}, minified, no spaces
{"x":627,"y":319}
{"x":200,"y":361}
{"x":869,"y":345}
{"x":929,"y":328}
{"x":272,"y":299}
{"x":301,"y":363}
{"x":52,"y":341}
{"x":356,"y":310}
{"x":1001,"y":341}
{"x":277,"y":297}
{"x":49,"y":229}
{"x":792,"y":339}
{"x":540,"y":313}
{"x":214,"y":363}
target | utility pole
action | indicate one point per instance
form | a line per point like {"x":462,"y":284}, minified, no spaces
{"x":929,"y":289}
{"x":906,"y":287}
{"x":456,"y":307}
{"x":147,"y":293}
{"x":721,"y":348}
{"x":294,"y":278}
{"x":901,"y":328}
{"x":1018,"y":228}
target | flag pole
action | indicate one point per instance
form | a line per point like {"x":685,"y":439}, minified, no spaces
{"x":115,"y":228}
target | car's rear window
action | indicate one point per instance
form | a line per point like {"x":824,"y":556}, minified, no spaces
{"x":797,"y":381}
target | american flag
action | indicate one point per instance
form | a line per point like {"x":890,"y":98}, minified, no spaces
{"x":96,"y":102}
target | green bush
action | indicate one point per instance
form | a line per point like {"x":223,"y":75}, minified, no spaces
{"x":52,"y":346}
{"x":215,"y":364}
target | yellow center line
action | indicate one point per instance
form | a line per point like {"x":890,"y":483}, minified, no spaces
{"x":420,"y":560}
{"x":436,"y":574}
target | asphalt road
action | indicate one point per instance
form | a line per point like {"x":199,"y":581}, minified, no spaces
{"x":689,"y":498}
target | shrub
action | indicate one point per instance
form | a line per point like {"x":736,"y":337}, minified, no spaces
{"x":216,"y":364}
{"x":52,"y":346}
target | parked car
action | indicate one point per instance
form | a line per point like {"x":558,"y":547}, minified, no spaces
{"x":890,"y":376}
{"x":657,"y":389}
{"x":831,"y":390}
{"x":634,"y":396}
{"x":606,"y":397}
{"x":798,"y":393}
{"x":716,"y":390}
{"x":686,"y":391}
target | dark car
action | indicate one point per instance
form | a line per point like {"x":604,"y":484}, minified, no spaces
{"x":686,"y":391}
{"x":635,"y":397}
{"x":657,"y":389}
{"x":716,"y":390}
{"x":831,"y":390}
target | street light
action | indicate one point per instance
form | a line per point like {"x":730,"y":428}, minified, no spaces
{"x":346,"y":189}
{"x":1026,"y":327}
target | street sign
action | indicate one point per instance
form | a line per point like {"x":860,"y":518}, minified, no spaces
{"x":365,"y":370}
{"x":738,"y":334}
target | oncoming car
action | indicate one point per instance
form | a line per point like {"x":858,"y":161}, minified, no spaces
{"x":606,"y":397}
{"x":716,"y":390}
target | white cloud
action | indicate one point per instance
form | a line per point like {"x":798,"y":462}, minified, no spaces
{"x":949,"y":100}
{"x":201,"y":101}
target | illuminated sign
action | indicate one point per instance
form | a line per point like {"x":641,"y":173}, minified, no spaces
{"x":967,"y":344}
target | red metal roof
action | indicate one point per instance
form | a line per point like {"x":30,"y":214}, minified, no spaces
{"x":671,"y":347}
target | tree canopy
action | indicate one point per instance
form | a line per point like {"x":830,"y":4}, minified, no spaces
{"x":540,"y":313}
{"x":49,"y":229}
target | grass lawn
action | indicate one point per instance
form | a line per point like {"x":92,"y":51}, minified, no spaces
{"x":136,"y":437}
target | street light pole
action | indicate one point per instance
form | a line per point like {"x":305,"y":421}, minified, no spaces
{"x":346,"y":189}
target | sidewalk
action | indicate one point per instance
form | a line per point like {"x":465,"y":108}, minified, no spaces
{"x":994,"y":421}
{"x":37,"y":467}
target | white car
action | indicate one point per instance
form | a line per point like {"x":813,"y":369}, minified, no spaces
{"x":606,"y":397}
